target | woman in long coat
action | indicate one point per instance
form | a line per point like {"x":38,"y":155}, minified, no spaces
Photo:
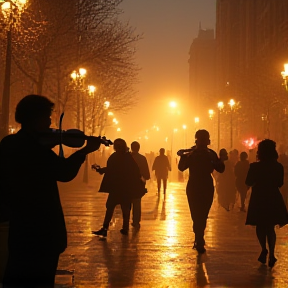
{"x":266,"y":208}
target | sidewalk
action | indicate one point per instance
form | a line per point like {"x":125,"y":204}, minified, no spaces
{"x":160,"y":254}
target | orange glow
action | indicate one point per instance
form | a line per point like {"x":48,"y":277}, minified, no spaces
{"x":250,"y":143}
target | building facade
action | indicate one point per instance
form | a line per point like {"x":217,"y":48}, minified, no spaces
{"x":251,"y":48}
{"x":202,"y":63}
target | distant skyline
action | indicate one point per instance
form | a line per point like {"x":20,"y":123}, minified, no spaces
{"x":168,"y":27}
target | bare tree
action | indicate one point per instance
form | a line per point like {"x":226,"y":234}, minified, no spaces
{"x":78,"y":34}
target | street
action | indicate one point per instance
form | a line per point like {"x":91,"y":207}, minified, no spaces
{"x":160,"y":254}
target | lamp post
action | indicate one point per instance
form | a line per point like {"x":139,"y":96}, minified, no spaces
{"x":78,"y":80}
{"x":220,"y":107}
{"x":10,"y":9}
{"x":285,"y":76}
{"x":91,"y":92}
{"x":231,"y":103}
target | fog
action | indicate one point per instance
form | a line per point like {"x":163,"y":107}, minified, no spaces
{"x":168,"y":28}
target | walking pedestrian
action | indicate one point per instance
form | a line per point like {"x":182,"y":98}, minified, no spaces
{"x":266,"y":207}
{"x":225,"y":184}
{"x":122,"y":180}
{"x":161,"y":165}
{"x":29,"y":196}
{"x":201,"y":162}
{"x":145,"y":174}
{"x":240,"y":171}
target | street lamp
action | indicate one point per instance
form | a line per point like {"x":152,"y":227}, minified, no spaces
{"x":78,"y":80}
{"x":220,"y":108}
{"x":231,"y":103}
{"x":285,"y":76}
{"x":211,"y":113}
{"x":11,"y":11}
{"x":173,"y":104}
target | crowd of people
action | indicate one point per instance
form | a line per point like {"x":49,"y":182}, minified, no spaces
{"x":30,"y":204}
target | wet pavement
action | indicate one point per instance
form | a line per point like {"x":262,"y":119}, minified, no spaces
{"x":160,"y":254}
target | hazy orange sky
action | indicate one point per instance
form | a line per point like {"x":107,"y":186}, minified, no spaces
{"x":169,"y":27}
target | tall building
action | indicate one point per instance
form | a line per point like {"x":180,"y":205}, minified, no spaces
{"x":202,"y":71}
{"x":251,"y":48}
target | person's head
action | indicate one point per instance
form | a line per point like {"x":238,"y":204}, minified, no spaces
{"x":202,"y":138}
{"x":120,"y":146}
{"x":135,"y":146}
{"x":243,"y":156}
{"x":267,"y":150}
{"x":34,"y":112}
{"x":223,"y":154}
{"x":162,"y":151}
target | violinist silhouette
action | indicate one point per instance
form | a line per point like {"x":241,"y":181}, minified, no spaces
{"x":29,"y":195}
{"x":201,"y":162}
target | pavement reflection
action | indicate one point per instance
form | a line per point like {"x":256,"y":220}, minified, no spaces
{"x":160,"y":254}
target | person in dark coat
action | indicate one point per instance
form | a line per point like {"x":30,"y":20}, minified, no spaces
{"x":29,"y":196}
{"x":201,"y":162}
{"x":122,"y":180}
{"x":144,"y":171}
{"x":266,"y":207}
{"x":225,"y":184}
{"x":240,"y":170}
{"x":161,"y":166}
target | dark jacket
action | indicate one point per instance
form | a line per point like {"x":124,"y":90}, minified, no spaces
{"x":201,"y":163}
{"x":240,"y":170}
{"x":142,"y":164}
{"x":161,"y":166}
{"x":122,"y":176}
{"x":29,"y":194}
{"x":266,"y":204}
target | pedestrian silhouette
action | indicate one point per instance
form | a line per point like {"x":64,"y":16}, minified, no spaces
{"x":29,"y":197}
{"x":266,"y":207}
{"x":225,"y":184}
{"x":161,"y":165}
{"x":144,"y":171}
{"x":240,"y":171}
{"x":201,"y":162}
{"x":122,"y":180}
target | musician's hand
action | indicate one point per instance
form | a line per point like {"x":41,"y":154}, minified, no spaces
{"x":92,"y":144}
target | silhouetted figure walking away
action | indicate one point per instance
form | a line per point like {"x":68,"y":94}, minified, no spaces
{"x":29,"y":195}
{"x":201,"y":162}
{"x":161,"y":166}
{"x":225,"y":184}
{"x":266,"y":208}
{"x":122,"y":180}
{"x":240,"y":171}
{"x":145,"y":173}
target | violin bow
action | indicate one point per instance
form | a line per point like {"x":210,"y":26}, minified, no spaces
{"x":61,"y":152}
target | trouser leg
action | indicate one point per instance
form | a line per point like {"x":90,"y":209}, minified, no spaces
{"x":110,"y":206}
{"x":164,"y":184}
{"x":243,"y":194}
{"x":199,"y":209}
{"x":126,"y":207}
{"x":136,"y":211}
{"x":159,"y":184}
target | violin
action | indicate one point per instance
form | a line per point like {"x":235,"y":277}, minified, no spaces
{"x":73,"y":138}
